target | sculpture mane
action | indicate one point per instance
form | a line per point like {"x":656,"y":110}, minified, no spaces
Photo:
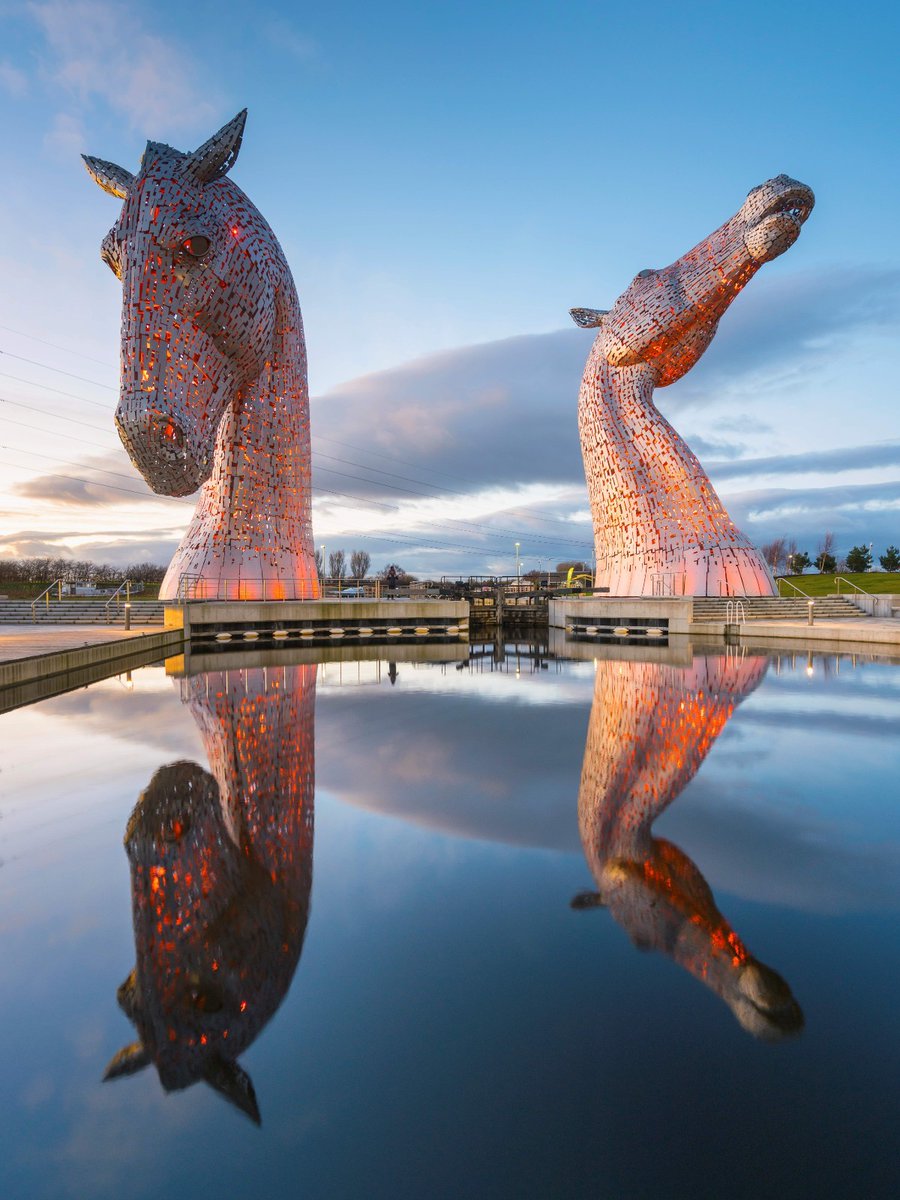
{"x":213,"y":384}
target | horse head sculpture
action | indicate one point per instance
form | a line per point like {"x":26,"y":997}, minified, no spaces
{"x":213,"y":370}
{"x":651,"y":727}
{"x":659,"y":526}
{"x":221,"y":870}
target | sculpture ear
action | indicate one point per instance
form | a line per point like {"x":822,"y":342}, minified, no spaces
{"x":588,"y":318}
{"x":233,"y":1082}
{"x":128,"y":1061}
{"x":113,"y":179}
{"x":216,"y":157}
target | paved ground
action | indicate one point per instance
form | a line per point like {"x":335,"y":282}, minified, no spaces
{"x":879,"y":634}
{"x":22,"y":641}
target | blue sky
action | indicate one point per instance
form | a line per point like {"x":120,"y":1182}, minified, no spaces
{"x":447,"y":180}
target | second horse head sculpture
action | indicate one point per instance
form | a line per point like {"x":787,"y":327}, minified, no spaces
{"x":659,"y":527}
{"x":213,"y":384}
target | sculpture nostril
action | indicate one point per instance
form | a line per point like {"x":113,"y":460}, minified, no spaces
{"x":169,"y":434}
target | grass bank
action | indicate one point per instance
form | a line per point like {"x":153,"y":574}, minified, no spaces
{"x":874,"y":582}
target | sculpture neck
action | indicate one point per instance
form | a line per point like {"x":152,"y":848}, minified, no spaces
{"x":643,"y":469}
{"x":262,"y":446}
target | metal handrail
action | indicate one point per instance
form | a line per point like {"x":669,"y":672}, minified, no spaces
{"x":192,"y":586}
{"x":126,"y":584}
{"x":781,"y":580}
{"x":734,"y":613}
{"x":45,"y":596}
{"x":838,"y":579}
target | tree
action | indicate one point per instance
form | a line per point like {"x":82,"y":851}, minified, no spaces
{"x":890,"y":560}
{"x":336,"y":564}
{"x":800,"y":560}
{"x":825,"y":560}
{"x":403,"y":577}
{"x":826,"y":563}
{"x":320,"y":564}
{"x":580,"y":567}
{"x":359,"y":564}
{"x":773,"y":552}
{"x":859,"y":559}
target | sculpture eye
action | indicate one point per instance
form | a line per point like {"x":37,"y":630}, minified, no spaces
{"x":196,"y":247}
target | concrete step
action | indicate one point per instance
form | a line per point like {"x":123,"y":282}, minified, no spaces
{"x":773,"y":608}
{"x":80,"y":612}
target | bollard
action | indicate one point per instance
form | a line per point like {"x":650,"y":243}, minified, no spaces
{"x":127,"y":616}
{"x":811,"y":605}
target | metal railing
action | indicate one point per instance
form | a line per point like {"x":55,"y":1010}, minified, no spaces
{"x":800,"y":591}
{"x":734,"y":613}
{"x":839,"y":579}
{"x":116,"y":596}
{"x":193,"y":587}
{"x":45,"y":596}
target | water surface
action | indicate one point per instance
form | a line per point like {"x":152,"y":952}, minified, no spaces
{"x":510,"y":927}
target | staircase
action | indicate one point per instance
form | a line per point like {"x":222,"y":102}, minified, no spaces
{"x":773,"y":608}
{"x":87,"y":611}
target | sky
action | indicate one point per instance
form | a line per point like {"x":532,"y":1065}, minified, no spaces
{"x":447,"y":181}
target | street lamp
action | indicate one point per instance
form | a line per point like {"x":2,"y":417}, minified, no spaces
{"x":323,"y":562}
{"x":517,"y":563}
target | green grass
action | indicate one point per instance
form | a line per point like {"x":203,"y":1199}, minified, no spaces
{"x":826,"y":585}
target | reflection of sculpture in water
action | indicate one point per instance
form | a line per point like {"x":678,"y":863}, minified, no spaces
{"x":651,"y":727}
{"x":221,"y":869}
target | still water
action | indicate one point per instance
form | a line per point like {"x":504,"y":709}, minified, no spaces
{"x":511,"y":926}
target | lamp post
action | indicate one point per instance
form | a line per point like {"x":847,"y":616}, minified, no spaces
{"x":323,"y":562}
{"x":517,"y":564}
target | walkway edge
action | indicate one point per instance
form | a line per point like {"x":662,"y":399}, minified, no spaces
{"x":18,"y":671}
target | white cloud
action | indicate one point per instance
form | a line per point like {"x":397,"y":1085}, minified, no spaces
{"x":13,"y":80}
{"x":285,"y":37}
{"x":103,"y":52}
{"x":65,"y":136}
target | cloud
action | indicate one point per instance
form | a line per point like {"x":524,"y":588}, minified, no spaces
{"x":501,"y":413}
{"x":65,"y":136}
{"x":283,"y":36}
{"x":118,"y":547}
{"x":797,"y":323}
{"x":497,"y":413}
{"x":100,"y":51}
{"x":12,"y":80}
{"x":106,"y":480}
{"x":506,"y":411}
{"x":849,"y":458}
{"x":869,"y":512}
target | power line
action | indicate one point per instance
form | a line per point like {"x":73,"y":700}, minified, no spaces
{"x":59,"y":371}
{"x":55,"y":416}
{"x":528,"y":512}
{"x":393,"y":539}
{"x":56,"y":346}
{"x":470,"y":524}
{"x":70,"y":437}
{"x":68,"y":462}
{"x":90,"y":482}
{"x":57,"y":391}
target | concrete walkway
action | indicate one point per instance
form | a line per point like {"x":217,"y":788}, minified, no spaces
{"x":23,"y":641}
{"x":879,"y":634}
